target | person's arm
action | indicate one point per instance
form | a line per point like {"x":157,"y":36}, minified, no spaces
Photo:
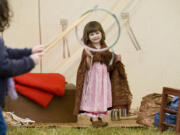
{"x":11,"y":67}
{"x":88,"y":60}
{"x":118,"y":57}
{"x":19,"y":53}
{"x":116,"y":60}
{"x":14,"y":53}
{"x":89,"y":57}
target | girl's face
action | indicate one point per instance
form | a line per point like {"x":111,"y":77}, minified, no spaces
{"x":95,"y":37}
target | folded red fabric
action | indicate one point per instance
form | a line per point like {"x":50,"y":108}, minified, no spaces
{"x":38,"y":96}
{"x":40,"y":87}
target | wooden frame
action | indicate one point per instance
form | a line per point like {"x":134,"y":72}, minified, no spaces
{"x":164,"y":109}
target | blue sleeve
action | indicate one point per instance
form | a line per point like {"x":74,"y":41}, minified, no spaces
{"x":18,"y":53}
{"x":13,"y":67}
{"x":15,"y":53}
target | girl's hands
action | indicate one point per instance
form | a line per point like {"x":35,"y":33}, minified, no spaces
{"x":118,"y":57}
{"x":37,"y":49}
{"x":88,"y":53}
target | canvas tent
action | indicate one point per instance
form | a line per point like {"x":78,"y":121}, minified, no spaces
{"x":155,"y":24}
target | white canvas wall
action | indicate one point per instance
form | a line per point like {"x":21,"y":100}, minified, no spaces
{"x":155,"y":23}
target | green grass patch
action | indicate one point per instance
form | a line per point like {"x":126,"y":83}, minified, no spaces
{"x":87,"y":131}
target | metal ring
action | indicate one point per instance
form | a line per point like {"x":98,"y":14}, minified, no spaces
{"x":103,"y":49}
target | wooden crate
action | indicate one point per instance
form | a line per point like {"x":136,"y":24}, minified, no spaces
{"x":60,"y":109}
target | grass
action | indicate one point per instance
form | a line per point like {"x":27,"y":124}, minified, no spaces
{"x":87,"y":131}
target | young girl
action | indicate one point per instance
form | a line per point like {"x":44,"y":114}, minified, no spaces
{"x":94,"y":95}
{"x":13,"y":62}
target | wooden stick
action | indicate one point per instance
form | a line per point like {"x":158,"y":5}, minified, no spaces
{"x":69,"y":29}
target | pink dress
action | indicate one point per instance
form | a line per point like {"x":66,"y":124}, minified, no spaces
{"x":97,"y":95}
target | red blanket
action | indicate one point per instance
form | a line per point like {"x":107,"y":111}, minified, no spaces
{"x":40,"y":87}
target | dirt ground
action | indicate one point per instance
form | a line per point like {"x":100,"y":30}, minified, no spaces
{"x":83,"y":122}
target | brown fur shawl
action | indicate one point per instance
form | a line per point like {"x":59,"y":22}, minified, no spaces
{"x":121,"y":94}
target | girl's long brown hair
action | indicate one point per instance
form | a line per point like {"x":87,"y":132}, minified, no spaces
{"x":93,"y":26}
